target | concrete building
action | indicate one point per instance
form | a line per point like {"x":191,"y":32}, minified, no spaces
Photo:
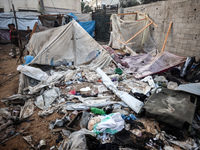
{"x":50,"y":6}
{"x":101,"y":3}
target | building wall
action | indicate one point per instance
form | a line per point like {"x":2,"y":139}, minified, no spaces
{"x":110,"y":2}
{"x":19,"y":4}
{"x":184,"y":36}
{"x":50,"y":5}
{"x":68,"y":5}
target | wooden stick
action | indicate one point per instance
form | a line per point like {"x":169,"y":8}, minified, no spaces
{"x":138,"y":33}
{"x":34,"y":28}
{"x":166,"y":37}
{"x":148,"y":18}
{"x":126,"y":14}
{"x":152,"y":22}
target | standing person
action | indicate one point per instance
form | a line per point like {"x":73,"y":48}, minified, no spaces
{"x":28,"y":33}
{"x":9,"y":26}
{"x":14,"y":39}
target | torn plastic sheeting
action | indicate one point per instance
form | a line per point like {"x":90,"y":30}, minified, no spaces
{"x":16,"y":96}
{"x":83,"y":106}
{"x":32,"y":72}
{"x":193,"y":88}
{"x":39,"y":102}
{"x":69,"y":75}
{"x":77,"y":140}
{"x":27,"y":110}
{"x":111,"y":123}
{"x":150,"y":81}
{"x":59,"y":122}
{"x":50,"y":80}
{"x":44,"y":113}
{"x":143,"y":65}
{"x":132,"y":102}
{"x":97,"y":99}
{"x":45,"y":100}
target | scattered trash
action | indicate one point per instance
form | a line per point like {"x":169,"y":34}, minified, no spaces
{"x":95,"y":97}
{"x":42,"y":144}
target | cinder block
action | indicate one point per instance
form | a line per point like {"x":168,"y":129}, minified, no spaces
{"x":188,"y":36}
{"x":198,"y":44}
{"x":183,"y":41}
{"x":192,"y":42}
{"x":181,"y":36}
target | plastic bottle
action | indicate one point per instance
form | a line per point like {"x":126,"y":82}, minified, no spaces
{"x":97,"y":111}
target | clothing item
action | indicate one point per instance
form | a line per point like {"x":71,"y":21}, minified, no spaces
{"x":14,"y":40}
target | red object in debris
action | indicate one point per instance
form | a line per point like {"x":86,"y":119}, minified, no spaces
{"x":72,"y":92}
{"x":99,"y":80}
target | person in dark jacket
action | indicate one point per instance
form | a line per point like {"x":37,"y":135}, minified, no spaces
{"x":14,"y":39}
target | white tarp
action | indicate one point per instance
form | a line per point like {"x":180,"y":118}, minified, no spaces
{"x":61,"y":45}
{"x":32,"y":72}
{"x":123,"y":30}
{"x":24,"y":19}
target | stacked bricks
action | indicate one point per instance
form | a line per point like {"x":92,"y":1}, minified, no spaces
{"x":184,"y":36}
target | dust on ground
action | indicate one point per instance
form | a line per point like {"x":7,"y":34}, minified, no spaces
{"x":35,"y":126}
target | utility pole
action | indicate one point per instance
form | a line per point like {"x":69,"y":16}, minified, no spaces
{"x":20,"y":42}
{"x":96,"y":4}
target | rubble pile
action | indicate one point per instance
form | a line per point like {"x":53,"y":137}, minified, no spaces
{"x":109,"y":108}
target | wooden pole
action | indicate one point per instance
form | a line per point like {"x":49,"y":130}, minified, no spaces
{"x":20,"y":42}
{"x":166,"y":37}
{"x":33,"y":31}
{"x":138,"y":33}
{"x":148,"y":18}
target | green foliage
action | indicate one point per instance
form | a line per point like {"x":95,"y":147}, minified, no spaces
{"x":85,"y":8}
{"x":82,"y":6}
{"x":130,"y":3}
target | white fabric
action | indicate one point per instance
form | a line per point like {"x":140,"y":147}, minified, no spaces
{"x":84,"y":17}
{"x":131,"y":101}
{"x":32,"y":72}
{"x":126,"y":29}
{"x":61,"y":45}
{"x":23,"y":20}
{"x":113,"y":122}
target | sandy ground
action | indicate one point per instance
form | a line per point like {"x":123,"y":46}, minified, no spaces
{"x":38,"y":128}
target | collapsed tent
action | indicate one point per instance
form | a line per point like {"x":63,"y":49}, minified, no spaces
{"x":143,"y":65}
{"x":125,"y":32}
{"x":68,"y":44}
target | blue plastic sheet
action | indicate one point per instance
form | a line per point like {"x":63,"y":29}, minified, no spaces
{"x":28,"y":59}
{"x":72,"y":15}
{"x":89,"y":26}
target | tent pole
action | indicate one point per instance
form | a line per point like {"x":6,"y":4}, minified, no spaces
{"x":138,"y":33}
{"x":34,"y":28}
{"x":166,"y":37}
{"x":20,"y":42}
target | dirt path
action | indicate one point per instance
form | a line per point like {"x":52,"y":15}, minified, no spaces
{"x":8,"y":70}
{"x":38,"y":128}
